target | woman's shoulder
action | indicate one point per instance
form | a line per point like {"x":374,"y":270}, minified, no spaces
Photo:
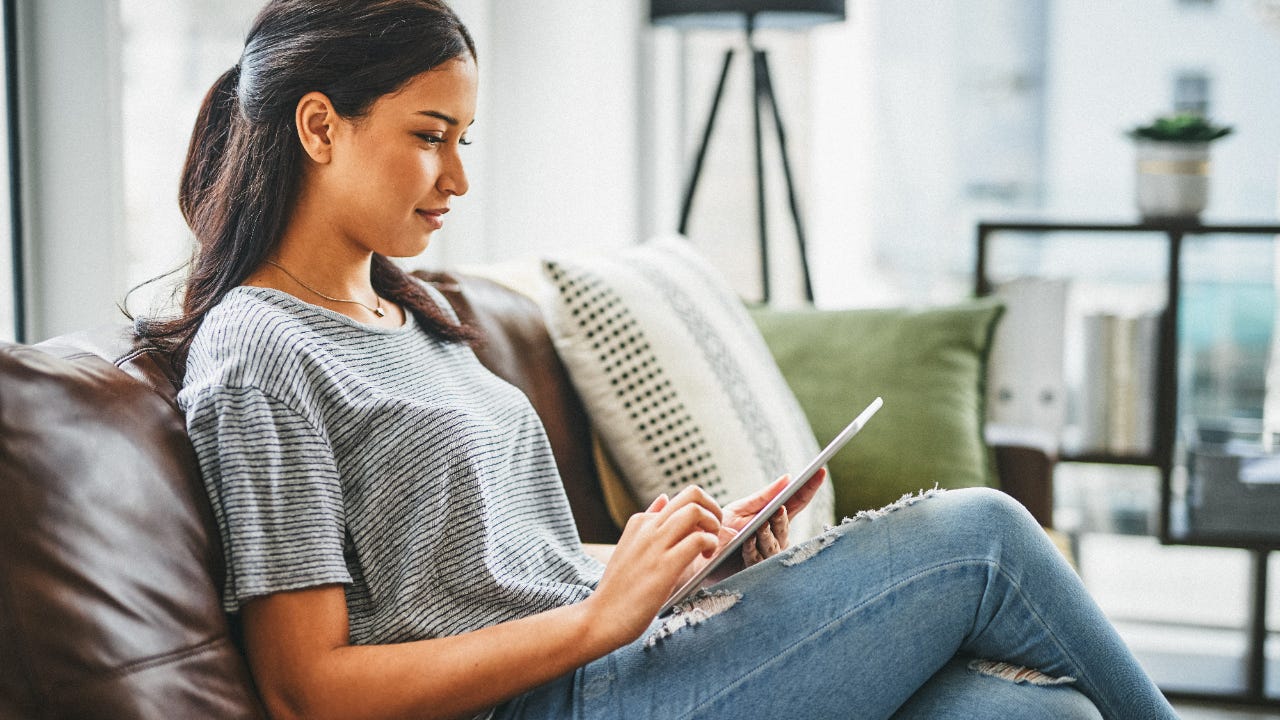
{"x":248,"y":337}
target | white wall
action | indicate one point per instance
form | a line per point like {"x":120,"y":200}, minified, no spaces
{"x":844,"y":161}
{"x":557,"y":160}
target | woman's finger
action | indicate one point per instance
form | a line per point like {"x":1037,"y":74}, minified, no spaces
{"x":752,"y":504}
{"x":693,"y":495}
{"x":695,"y":544}
{"x":688,"y":519}
{"x":797,"y":502}
{"x":766,"y":542}
{"x":658,"y":503}
{"x":780,"y":524}
{"x":750,"y":553}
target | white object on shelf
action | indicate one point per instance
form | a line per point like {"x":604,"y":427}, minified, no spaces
{"x":1026,"y":385}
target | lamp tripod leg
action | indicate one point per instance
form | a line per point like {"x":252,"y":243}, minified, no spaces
{"x":762,"y":93}
{"x":687,"y":206}
{"x":760,"y":84}
{"x":762,"y":62}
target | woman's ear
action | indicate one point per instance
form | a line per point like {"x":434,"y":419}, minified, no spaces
{"x":315,"y":119}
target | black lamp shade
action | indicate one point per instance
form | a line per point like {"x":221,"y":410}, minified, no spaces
{"x":733,"y":13}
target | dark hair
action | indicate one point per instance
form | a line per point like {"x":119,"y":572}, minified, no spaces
{"x":241,"y":174}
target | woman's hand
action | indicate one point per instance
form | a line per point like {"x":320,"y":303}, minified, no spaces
{"x":771,"y":538}
{"x":656,"y":549}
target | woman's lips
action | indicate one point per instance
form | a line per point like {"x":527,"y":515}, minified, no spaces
{"x":433,"y":218}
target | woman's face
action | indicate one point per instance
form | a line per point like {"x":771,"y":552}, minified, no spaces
{"x":395,"y":170}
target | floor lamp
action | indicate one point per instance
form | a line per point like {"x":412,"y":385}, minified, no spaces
{"x":751,"y":14}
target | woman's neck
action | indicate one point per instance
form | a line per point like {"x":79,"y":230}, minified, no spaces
{"x":329,"y":273}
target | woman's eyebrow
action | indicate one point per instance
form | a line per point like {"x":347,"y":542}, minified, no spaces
{"x":441,"y":116}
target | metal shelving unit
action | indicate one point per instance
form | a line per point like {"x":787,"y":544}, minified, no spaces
{"x":1164,"y":444}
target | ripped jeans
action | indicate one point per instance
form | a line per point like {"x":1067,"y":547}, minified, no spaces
{"x":905,"y":614}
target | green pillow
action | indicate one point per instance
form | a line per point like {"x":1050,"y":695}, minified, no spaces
{"x":930,"y":367}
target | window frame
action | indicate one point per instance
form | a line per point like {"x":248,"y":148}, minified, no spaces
{"x":13,"y":179}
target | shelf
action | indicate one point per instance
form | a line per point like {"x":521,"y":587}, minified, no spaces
{"x":1103,"y":458}
{"x":1177,"y":520}
{"x":1165,"y":409}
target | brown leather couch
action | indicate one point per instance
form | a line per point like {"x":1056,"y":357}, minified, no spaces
{"x":109,"y":557}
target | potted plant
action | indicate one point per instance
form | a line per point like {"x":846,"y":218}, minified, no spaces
{"x":1173,"y":165}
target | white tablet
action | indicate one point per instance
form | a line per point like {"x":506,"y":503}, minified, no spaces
{"x":759,"y":519}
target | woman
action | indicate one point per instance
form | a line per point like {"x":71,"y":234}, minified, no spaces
{"x":397,"y":541}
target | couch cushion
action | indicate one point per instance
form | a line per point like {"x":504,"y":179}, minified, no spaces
{"x":930,"y":367}
{"x":108,"y":553}
{"x":675,"y":377}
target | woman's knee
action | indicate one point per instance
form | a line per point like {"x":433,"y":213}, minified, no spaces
{"x":989,"y":507}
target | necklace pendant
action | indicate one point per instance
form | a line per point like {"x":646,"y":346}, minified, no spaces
{"x":379,"y":312}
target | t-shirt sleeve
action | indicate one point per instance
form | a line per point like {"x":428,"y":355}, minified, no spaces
{"x":275,"y":491}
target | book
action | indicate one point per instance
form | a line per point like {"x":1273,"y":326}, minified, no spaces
{"x":1116,"y":409}
{"x":1094,"y":400}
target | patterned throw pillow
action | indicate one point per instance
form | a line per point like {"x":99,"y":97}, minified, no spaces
{"x":678,"y":382}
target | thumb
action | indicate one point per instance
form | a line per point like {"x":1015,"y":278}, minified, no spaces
{"x":658,"y":503}
{"x":762,"y":496}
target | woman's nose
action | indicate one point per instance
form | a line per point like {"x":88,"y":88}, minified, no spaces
{"x":453,"y":179}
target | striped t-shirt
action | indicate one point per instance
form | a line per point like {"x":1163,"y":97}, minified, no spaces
{"x":387,"y":461}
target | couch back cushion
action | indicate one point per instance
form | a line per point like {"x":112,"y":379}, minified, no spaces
{"x":108,"y":553}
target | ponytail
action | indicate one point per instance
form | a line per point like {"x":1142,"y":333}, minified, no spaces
{"x":240,"y":179}
{"x":208,"y":141}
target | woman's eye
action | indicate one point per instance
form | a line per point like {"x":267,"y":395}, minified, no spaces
{"x":437,"y":139}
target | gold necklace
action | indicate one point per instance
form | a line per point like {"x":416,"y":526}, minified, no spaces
{"x":375,"y":310}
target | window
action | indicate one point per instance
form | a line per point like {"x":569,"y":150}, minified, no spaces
{"x":171,"y":53}
{"x":10,"y":246}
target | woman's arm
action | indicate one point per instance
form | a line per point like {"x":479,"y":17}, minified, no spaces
{"x":305,"y":667}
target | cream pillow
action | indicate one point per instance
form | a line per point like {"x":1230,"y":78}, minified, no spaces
{"x":678,"y":382}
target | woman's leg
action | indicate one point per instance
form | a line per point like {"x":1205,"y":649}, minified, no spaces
{"x":855,"y":622}
{"x":961,"y":691}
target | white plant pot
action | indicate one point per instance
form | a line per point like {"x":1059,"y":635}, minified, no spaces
{"x":1173,"y":179}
